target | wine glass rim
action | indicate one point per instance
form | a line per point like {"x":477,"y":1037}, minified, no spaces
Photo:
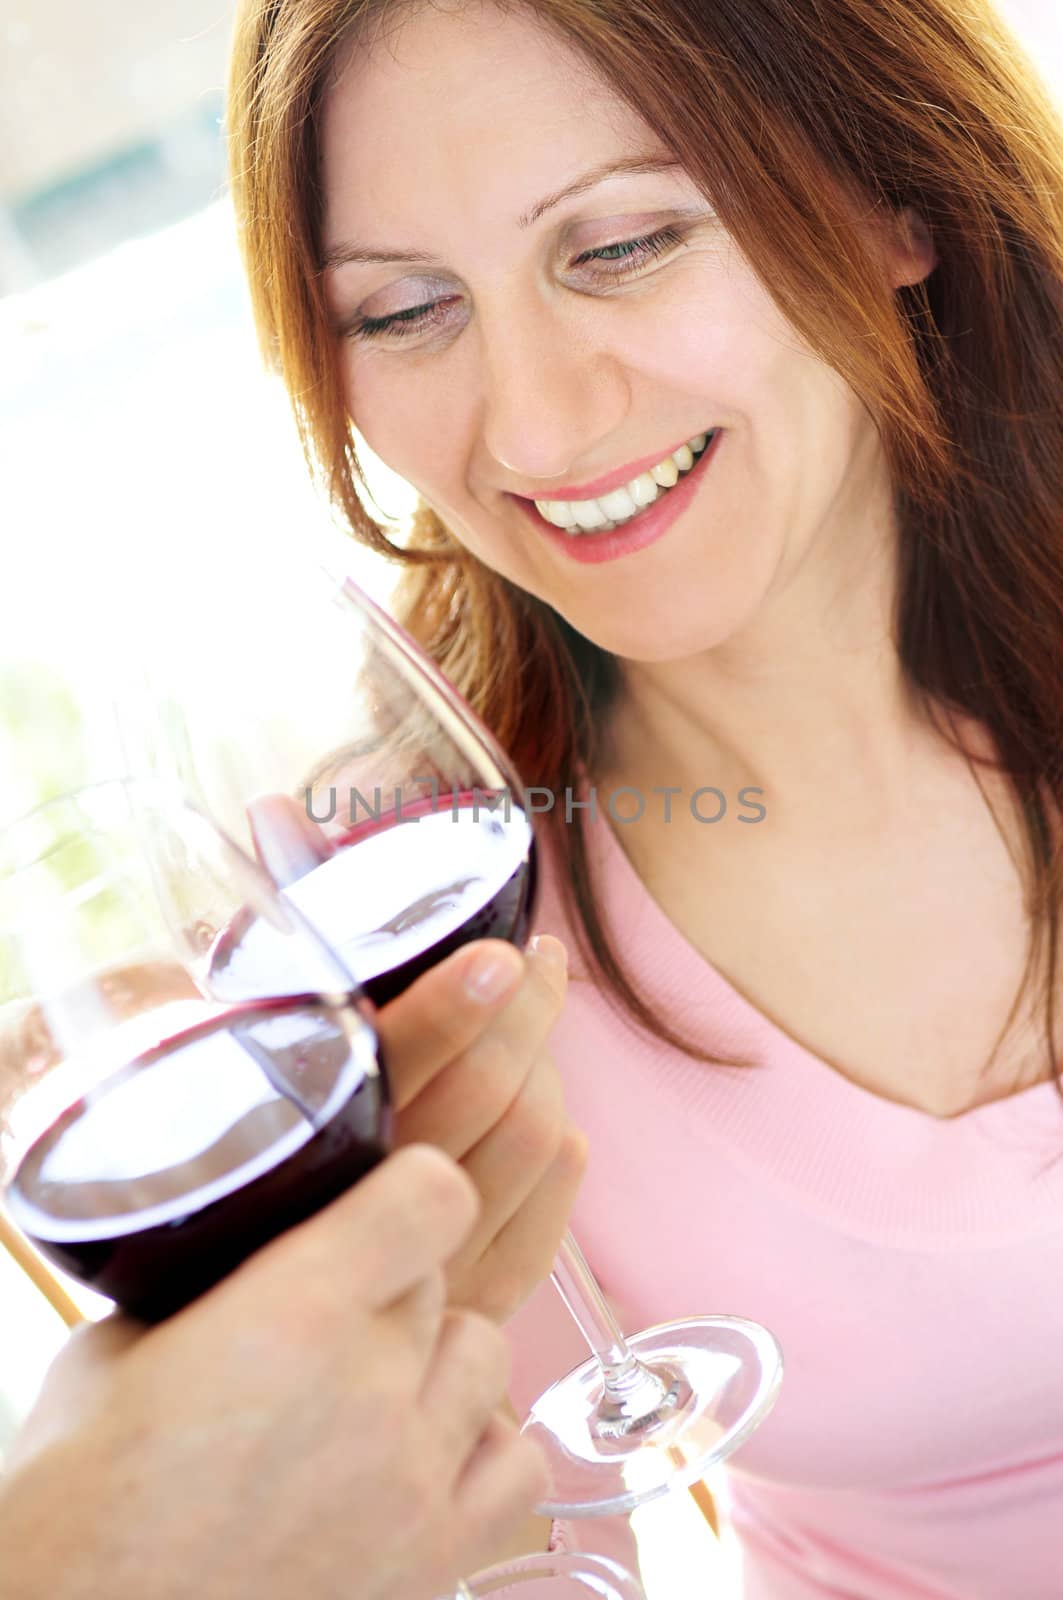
{"x":348,"y":588}
{"x":71,"y":797}
{"x":170,"y":797}
{"x":74,"y":800}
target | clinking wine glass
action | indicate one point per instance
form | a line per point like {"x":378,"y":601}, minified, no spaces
{"x":151,"y":1138}
{"x":394,"y":822}
{"x":156,"y":1136}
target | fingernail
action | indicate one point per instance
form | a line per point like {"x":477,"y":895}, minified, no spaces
{"x":490,"y":976}
{"x":546,"y":948}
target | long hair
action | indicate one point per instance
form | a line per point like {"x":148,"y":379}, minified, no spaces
{"x":784,"y":114}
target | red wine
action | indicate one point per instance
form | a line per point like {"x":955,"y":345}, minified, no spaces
{"x":393,"y":895}
{"x":176,"y":1167}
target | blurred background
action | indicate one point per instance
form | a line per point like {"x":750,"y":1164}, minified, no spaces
{"x":148,"y":468}
{"x":152,"y":492}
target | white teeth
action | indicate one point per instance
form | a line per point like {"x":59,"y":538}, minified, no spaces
{"x":666,"y":474}
{"x":620,"y":505}
{"x":644,"y":491}
{"x":588,"y":514}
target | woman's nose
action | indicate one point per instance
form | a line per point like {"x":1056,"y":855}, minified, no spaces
{"x":548,"y":397}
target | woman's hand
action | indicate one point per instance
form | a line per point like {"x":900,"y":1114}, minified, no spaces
{"x":471,"y":1073}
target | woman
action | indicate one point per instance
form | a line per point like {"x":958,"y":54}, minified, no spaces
{"x":724,"y":348}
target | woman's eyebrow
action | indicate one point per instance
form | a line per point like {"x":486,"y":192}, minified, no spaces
{"x":339,"y":255}
{"x":633,"y":166}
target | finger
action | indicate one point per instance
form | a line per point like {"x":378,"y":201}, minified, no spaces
{"x":497,"y":1275}
{"x":465,"y":1385}
{"x":95,"y":1343}
{"x":509,"y":1163}
{"x":93,"y":1348}
{"x":412,"y":1221}
{"x":444,"y":1012}
{"x":461,"y":1104}
{"x":391,"y":1230}
{"x":413,"y":1324}
{"x":505,"y":1478}
{"x":76,"y":1383}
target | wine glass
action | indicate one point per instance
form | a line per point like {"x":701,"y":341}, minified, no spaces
{"x":154,"y":1136}
{"x":394,"y":822}
{"x":563,"y":1576}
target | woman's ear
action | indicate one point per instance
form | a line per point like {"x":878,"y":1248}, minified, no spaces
{"x":910,"y":248}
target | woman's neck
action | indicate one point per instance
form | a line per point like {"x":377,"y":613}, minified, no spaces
{"x":809,"y":704}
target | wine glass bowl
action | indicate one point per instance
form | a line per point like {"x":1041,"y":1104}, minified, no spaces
{"x":160,"y":1134}
{"x":387,"y":813}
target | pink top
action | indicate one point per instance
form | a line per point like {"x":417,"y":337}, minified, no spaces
{"x":910,"y":1267}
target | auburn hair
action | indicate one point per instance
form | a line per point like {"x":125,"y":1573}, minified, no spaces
{"x":783,"y":114}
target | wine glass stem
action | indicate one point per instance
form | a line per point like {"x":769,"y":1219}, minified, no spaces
{"x":629,"y":1387}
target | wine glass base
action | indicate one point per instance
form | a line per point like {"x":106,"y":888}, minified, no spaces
{"x":722,"y":1375}
{"x":563,"y":1574}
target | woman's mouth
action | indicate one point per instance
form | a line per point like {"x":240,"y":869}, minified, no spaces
{"x":629,"y":518}
{"x":620,"y":506}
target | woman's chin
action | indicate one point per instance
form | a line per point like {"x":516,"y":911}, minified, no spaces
{"x":658,"y":636}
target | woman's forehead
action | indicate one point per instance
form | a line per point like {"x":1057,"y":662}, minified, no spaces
{"x":473,"y":71}
{"x":469,"y":96}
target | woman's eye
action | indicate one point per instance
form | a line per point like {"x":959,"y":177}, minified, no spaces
{"x":611,"y":262}
{"x":618,"y":260}
{"x":401,"y":324}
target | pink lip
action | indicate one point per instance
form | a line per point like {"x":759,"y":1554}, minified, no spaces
{"x":612,"y":480}
{"x":641,"y":531}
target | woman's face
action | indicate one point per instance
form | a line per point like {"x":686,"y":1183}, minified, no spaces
{"x":503,"y":346}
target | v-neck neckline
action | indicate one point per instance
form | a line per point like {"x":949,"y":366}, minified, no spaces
{"x":667,"y":936}
{"x":871,"y":1167}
